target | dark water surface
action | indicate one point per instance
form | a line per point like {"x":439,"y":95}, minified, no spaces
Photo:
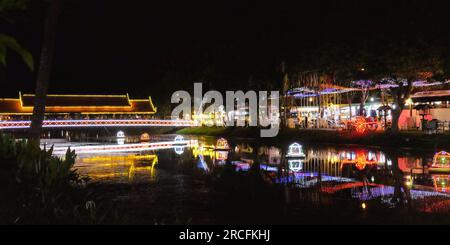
{"x":236,"y":181}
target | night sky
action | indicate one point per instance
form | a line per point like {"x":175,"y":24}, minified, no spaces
{"x":156,"y":47}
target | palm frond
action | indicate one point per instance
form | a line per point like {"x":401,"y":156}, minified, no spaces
{"x":8,"y":42}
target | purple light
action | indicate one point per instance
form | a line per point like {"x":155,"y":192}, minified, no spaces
{"x":389,"y":190}
{"x":366,"y":84}
{"x":99,"y":123}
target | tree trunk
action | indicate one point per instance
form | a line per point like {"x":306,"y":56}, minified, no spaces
{"x":361,"y":108}
{"x":395,"y":118}
{"x":364,"y":96}
{"x":349,"y":101}
{"x":45,"y":64}
{"x":400,"y":96}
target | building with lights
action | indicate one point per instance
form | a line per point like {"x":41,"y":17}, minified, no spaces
{"x":78,"y":107}
{"x":316,"y":100}
{"x":427,"y":106}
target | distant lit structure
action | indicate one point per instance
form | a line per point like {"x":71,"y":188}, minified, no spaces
{"x":216,"y":117}
{"x":145,"y":137}
{"x":120,"y":134}
{"x":222,"y":144}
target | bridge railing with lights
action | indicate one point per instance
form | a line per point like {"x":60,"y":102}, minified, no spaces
{"x":100,"y":123}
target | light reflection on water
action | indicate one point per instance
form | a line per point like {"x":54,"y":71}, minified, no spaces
{"x":118,"y":168}
{"x":352,"y":173}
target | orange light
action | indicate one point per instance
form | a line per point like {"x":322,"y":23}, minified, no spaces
{"x":135,"y":106}
{"x":81,"y":95}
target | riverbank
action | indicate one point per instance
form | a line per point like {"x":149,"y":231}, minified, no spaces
{"x":404,"y":139}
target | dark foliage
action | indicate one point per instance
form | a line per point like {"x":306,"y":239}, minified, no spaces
{"x":39,"y":188}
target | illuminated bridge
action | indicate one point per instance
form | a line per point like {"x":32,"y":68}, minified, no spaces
{"x":84,"y":111}
{"x":99,"y":123}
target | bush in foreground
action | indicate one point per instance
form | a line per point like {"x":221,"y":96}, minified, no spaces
{"x":39,"y":188}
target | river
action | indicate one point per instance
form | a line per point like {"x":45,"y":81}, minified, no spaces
{"x":223,"y":181}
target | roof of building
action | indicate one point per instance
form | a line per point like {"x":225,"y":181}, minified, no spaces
{"x":84,"y":104}
{"x":79,"y":100}
{"x":436,"y":95}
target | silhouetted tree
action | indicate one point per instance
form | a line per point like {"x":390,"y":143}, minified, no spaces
{"x":45,"y":65}
{"x":404,"y":64}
